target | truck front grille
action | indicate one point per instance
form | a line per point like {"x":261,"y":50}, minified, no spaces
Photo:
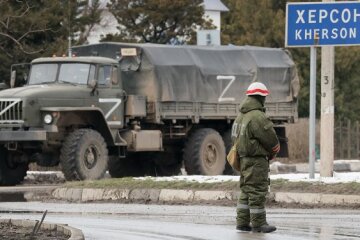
{"x":11,"y":111}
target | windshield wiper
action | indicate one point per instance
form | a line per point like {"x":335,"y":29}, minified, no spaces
{"x":62,"y":81}
{"x":30,"y":83}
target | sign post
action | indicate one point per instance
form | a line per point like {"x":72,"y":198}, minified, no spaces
{"x":325,"y":24}
{"x":312,"y":117}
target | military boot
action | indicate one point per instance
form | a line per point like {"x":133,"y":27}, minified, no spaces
{"x":243,"y":218}
{"x":258,"y":221}
{"x":243,"y":228}
{"x":265,"y":228}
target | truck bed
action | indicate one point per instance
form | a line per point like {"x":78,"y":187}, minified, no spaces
{"x":278,"y":112}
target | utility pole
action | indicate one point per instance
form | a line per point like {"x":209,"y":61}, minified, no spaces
{"x":69,"y":28}
{"x":327,"y":110}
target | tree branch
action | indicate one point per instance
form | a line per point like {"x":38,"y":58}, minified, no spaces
{"x":32,"y":31}
{"x":19,"y":44}
{"x":6,"y":52}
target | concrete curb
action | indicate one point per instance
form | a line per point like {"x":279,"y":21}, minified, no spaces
{"x":339,"y":166}
{"x":153,"y":195}
{"x":191,"y":196}
{"x":74,"y":233}
{"x":316,"y":198}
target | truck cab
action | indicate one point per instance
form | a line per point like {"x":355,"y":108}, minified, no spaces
{"x":66,"y":100}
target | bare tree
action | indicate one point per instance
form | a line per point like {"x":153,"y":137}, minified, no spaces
{"x":14,"y":12}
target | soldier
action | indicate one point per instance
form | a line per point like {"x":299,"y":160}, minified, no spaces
{"x":257,"y":143}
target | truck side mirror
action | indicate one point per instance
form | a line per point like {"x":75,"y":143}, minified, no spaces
{"x":13,"y":78}
{"x":93,"y":84}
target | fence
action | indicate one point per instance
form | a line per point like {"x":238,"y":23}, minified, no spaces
{"x":347,"y":139}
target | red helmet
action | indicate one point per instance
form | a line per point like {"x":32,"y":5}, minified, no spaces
{"x":257,"y":88}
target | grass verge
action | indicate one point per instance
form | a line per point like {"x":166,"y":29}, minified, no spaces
{"x":352,"y":188}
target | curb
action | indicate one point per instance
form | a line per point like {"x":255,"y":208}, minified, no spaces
{"x":316,"y":198}
{"x":153,"y":195}
{"x":172,"y":195}
{"x":339,"y":166}
{"x":74,"y":233}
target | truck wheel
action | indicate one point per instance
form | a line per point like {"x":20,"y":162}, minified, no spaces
{"x":228,"y":144}
{"x":11,"y":172}
{"x":84,"y":155}
{"x":204,"y":153}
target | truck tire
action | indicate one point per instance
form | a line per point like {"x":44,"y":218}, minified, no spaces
{"x":204,"y":153}
{"x":84,"y":155}
{"x":11,"y":173}
{"x":228,"y":144}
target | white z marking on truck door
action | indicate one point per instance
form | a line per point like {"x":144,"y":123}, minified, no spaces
{"x":232,"y":79}
{"x":116,"y":101}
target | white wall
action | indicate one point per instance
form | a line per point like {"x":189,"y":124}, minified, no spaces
{"x":215,"y":17}
{"x":108,"y":23}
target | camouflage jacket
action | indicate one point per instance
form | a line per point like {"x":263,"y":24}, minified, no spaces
{"x":253,"y":133}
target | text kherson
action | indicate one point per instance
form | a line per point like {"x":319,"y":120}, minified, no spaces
{"x":334,"y":33}
{"x":333,"y":17}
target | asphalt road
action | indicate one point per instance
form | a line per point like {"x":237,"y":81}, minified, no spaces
{"x":140,"y":222}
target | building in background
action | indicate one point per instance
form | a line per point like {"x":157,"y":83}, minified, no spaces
{"x":213,"y":10}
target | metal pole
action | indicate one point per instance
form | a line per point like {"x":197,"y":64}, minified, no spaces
{"x":357,"y":140}
{"x":69,"y":47}
{"x":341,"y":139}
{"x":349,"y":139}
{"x":312,"y":119}
{"x":69,"y":26}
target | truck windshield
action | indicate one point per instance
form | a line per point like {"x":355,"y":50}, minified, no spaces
{"x":76,"y":73}
{"x":43,"y":73}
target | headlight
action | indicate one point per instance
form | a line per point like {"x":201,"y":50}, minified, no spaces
{"x":48,"y":118}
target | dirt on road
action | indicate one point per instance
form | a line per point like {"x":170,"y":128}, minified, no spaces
{"x":9,"y":231}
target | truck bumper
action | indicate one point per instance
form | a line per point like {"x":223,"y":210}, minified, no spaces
{"x":21,"y":136}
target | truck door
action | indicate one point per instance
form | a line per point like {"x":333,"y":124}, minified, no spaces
{"x":110,"y":95}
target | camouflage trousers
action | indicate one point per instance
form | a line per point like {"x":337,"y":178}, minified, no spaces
{"x":254,"y":174}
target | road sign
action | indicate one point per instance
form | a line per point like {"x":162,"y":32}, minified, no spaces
{"x":332,"y":23}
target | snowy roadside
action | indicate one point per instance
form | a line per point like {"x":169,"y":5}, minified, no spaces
{"x":339,"y":177}
{"x":293,"y":177}
{"x":291,"y":172}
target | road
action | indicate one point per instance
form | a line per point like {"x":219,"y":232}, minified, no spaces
{"x":164,"y":222}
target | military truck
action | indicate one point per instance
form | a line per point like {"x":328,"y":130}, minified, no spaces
{"x":138,"y":109}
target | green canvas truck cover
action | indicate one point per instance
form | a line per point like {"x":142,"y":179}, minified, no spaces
{"x":185,"y":73}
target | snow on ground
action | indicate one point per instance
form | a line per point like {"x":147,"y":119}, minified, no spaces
{"x":338,"y":177}
{"x":342,"y":177}
{"x":294,"y":177}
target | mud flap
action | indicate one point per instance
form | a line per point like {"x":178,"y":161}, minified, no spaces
{"x":281,"y":134}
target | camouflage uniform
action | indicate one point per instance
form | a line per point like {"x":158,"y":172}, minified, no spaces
{"x":256,"y":143}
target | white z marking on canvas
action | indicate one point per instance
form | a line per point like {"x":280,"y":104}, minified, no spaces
{"x":221,"y":78}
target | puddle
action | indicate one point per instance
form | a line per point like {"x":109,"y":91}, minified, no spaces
{"x":12,"y":197}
